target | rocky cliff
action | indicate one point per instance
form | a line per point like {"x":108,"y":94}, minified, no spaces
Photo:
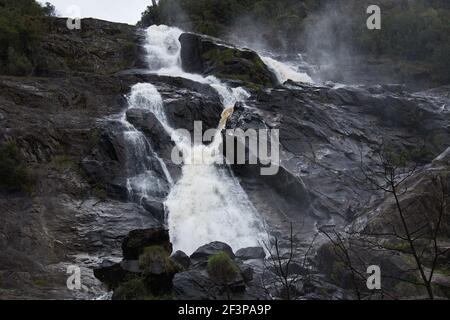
{"x":65,"y":127}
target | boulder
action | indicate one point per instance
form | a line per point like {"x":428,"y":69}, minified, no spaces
{"x":210,"y":56}
{"x":194,"y":285}
{"x":110,"y":273}
{"x":246,"y":272}
{"x":251,"y":253}
{"x":182,"y":259}
{"x":204,"y":252}
{"x":137,"y":240}
{"x":156,"y":208}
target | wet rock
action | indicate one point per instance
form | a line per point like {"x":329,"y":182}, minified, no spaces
{"x":209,"y":56}
{"x":246,"y":272}
{"x":156,"y":208}
{"x":131,"y":266}
{"x":182,"y":259}
{"x":110,"y":273}
{"x":204,"y":252}
{"x":251,"y":253}
{"x":137,"y":240}
{"x":194,"y":285}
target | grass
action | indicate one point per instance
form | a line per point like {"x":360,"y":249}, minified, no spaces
{"x":222,"y":268}
{"x":157,"y":254}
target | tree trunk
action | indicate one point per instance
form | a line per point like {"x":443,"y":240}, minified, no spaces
{"x":154,"y":3}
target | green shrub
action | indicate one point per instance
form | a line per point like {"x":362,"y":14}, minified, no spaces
{"x":14,"y":175}
{"x":18,"y":64}
{"x":21,"y":30}
{"x":157,"y":255}
{"x":132,"y":289}
{"x":222,"y":268}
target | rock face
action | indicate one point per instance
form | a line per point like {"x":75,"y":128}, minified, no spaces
{"x":68,"y":126}
{"x":209,"y":56}
{"x":79,"y":208}
{"x":251,"y":253}
{"x":137,"y":240}
{"x":100,"y":47}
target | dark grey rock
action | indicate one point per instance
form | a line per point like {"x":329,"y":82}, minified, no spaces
{"x":204,"y":252}
{"x":182,"y":259}
{"x":250,"y":253}
{"x":137,"y":240}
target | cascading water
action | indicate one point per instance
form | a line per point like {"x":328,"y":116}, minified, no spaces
{"x":285,"y":72}
{"x":207,"y":203}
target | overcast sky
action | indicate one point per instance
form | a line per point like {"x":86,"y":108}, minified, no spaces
{"x":128,"y":11}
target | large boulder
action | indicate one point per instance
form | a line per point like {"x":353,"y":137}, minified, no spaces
{"x":209,"y":56}
{"x":208,"y":250}
{"x":182,"y":259}
{"x":251,"y":253}
{"x":137,"y":240}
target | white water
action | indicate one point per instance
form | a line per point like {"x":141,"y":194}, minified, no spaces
{"x":207,"y":203}
{"x":284,"y":72}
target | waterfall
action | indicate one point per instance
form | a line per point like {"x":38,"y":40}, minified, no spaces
{"x":285,"y":72}
{"x":142,"y":183}
{"x":207,"y":203}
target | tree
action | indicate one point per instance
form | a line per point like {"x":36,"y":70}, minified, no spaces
{"x":411,"y":225}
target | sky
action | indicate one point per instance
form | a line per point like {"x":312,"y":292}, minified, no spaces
{"x":127,"y":11}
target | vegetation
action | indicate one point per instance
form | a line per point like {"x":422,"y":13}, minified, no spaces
{"x":21,"y":28}
{"x":419,"y":32}
{"x":157,"y":255}
{"x":222,"y":268}
{"x":413,"y":32}
{"x":14,"y":175}
{"x":133,"y":288}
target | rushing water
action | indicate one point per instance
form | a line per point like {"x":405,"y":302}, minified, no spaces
{"x":285,"y":72}
{"x":207,"y":203}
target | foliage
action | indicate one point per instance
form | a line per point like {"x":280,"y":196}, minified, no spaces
{"x":21,"y":28}
{"x":222,"y":268}
{"x":418,"y":32}
{"x":132,"y":289}
{"x":412,"y":31}
{"x":14,"y":175}
{"x":157,"y":255}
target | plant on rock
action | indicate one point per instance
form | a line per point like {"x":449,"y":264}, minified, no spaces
{"x":156,"y":260}
{"x":222,"y":268}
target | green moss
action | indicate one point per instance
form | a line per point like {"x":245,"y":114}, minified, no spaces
{"x":100,"y":192}
{"x":40,"y":283}
{"x":14,"y":174}
{"x":63,"y":162}
{"x":132,"y":289}
{"x":157,"y":254}
{"x":222,"y":268}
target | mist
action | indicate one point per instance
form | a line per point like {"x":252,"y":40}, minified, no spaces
{"x":328,"y":41}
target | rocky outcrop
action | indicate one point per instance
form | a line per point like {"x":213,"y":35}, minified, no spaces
{"x":137,"y":240}
{"x":100,"y":47}
{"x":148,"y":271}
{"x":250,"y":253}
{"x":210,"y":56}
